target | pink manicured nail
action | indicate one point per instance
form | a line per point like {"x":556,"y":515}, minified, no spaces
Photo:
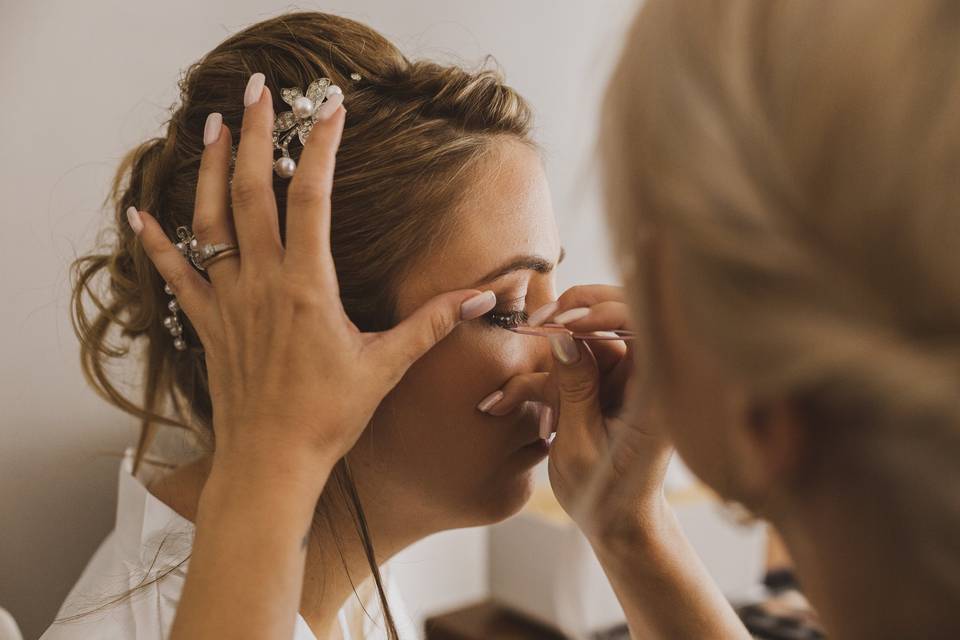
{"x":478,"y":305}
{"x":570,"y":315}
{"x":546,"y":421}
{"x":133,"y":217}
{"x":540,"y":315}
{"x":564,"y":348}
{"x":328,"y":108}
{"x":254,"y":88}
{"x":211,"y":130}
{"x":487,"y":403}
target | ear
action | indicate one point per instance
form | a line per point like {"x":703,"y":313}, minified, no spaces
{"x":772,"y":441}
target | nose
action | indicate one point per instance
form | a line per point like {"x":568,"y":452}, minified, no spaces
{"x":540,"y":353}
{"x":539,"y":345}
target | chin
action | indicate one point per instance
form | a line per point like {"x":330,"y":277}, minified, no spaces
{"x":505,"y":494}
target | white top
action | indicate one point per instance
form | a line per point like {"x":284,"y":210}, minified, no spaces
{"x":151,"y":540}
{"x":8,"y":626}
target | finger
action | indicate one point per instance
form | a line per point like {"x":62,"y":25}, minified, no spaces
{"x":579,"y":296}
{"x":308,"y":198}
{"x":614,"y":357}
{"x":608,"y":315}
{"x":609,"y":354}
{"x":211,"y":212}
{"x":613,"y":369}
{"x":585,"y":295}
{"x":578,"y":386}
{"x":402,"y":345}
{"x":193,"y":293}
{"x":614,"y":385}
{"x":523,"y":387}
{"x":254,"y":204}
{"x":602,"y":316}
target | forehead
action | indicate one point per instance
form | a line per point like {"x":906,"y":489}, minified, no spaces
{"x":506,"y":212}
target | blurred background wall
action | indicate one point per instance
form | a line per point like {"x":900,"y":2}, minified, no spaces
{"x":84,"y":81}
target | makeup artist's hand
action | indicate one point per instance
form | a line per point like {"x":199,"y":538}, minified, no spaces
{"x":289,"y":373}
{"x":607,"y":463}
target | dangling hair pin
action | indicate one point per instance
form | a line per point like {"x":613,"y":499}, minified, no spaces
{"x":304,"y":112}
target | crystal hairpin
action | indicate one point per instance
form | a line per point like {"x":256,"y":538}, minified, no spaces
{"x":299,"y":120}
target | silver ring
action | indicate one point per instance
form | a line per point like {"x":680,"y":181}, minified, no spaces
{"x":190,"y":247}
{"x":210,"y":250}
{"x":227,"y":251}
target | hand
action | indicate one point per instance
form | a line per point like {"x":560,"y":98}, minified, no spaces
{"x":289,"y":373}
{"x":607,"y":462}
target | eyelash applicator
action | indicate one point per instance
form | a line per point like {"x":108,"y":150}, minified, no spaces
{"x":546,"y":330}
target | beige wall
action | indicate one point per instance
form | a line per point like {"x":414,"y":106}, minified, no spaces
{"x":82,"y":82}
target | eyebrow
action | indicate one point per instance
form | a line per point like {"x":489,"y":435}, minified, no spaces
{"x":520,"y":263}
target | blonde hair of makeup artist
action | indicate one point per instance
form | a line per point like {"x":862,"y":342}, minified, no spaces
{"x":801,"y":161}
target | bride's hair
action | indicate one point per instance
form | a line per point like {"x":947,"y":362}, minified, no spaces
{"x":414,"y":133}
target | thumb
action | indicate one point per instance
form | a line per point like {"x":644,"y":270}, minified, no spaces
{"x":577,"y":380}
{"x":424,"y":328}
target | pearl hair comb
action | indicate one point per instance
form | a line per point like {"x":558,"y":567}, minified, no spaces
{"x":299,"y":120}
{"x":304,"y":110}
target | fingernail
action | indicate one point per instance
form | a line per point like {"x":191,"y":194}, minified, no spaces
{"x":572,"y":314}
{"x":133,"y":217}
{"x":478,"y":305}
{"x":564,"y":348}
{"x":537,"y":317}
{"x":211,"y":130}
{"x":546,"y":421}
{"x":254,"y":88}
{"x":487,"y":403}
{"x":329,"y":107}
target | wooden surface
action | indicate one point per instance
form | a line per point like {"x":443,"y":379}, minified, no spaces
{"x":486,"y":621}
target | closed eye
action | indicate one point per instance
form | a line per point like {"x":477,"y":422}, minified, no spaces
{"x":506,"y":319}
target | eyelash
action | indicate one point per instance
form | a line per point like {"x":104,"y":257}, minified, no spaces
{"x":505,"y":319}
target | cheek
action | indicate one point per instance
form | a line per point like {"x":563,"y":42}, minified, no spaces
{"x":429,"y":445}
{"x":699,"y":414}
{"x":692,"y":393}
{"x":694,"y":421}
{"x":468,"y":365}
{"x":434,"y":405}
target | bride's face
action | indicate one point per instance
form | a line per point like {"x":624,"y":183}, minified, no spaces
{"x":430,"y":456}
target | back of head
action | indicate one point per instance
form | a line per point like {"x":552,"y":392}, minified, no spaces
{"x":802,"y":158}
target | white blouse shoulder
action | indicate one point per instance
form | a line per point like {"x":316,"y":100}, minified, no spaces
{"x":150,"y":545}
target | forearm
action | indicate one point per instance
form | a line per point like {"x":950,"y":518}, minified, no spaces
{"x":662,"y":585}
{"x":246,"y":571}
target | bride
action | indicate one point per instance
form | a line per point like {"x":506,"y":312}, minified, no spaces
{"x":438,"y":186}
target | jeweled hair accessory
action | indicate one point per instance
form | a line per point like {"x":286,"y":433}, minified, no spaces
{"x":201,"y":256}
{"x":299,"y":120}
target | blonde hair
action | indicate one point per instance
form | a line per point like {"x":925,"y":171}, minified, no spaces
{"x":803,"y":157}
{"x":414,"y":133}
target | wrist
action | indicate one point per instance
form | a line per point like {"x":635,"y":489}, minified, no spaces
{"x":251,"y":447}
{"x":635,"y":531}
{"x":265,"y":474}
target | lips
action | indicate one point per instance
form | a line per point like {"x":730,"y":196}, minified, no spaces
{"x":526,"y":423}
